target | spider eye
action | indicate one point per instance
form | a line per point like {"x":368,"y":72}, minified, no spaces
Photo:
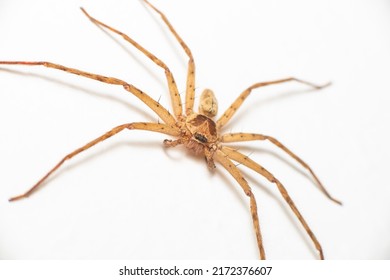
{"x":200,"y":137}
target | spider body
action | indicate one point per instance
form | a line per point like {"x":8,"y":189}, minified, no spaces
{"x":198,"y":132}
{"x":202,"y":128}
{"x":198,"y":135}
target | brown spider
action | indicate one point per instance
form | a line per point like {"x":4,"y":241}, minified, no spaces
{"x":196,"y":131}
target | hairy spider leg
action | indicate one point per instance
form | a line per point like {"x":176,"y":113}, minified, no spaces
{"x":223,"y":159}
{"x":190,"y":87}
{"x":174,"y":92}
{"x":240,"y":137}
{"x":223,"y":120}
{"x":237,"y":156}
{"x":150,"y":102}
{"x":154,"y":127}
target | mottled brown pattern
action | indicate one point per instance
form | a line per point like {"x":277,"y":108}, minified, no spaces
{"x":198,"y":120}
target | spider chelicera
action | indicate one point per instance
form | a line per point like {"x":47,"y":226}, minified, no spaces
{"x":198,"y":132}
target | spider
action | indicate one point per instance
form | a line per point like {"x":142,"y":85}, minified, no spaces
{"x":199,"y":132}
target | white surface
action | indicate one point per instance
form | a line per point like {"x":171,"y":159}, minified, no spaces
{"x":128,"y":198}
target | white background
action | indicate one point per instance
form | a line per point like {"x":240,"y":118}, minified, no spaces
{"x":129,"y":198}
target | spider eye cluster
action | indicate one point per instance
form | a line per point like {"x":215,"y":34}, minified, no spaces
{"x":208,"y":104}
{"x":200,"y":137}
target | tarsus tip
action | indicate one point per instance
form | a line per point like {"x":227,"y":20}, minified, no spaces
{"x":326,"y":85}
{"x":338,"y":202}
{"x":83,"y":10}
{"x":12,"y":199}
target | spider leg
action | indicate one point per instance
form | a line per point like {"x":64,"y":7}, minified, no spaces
{"x":150,"y":102}
{"x":238,"y":137}
{"x":223,"y":159}
{"x":237,"y":156}
{"x":241,"y":98}
{"x":162,"y":128}
{"x":174,"y":92}
{"x":190,"y":88}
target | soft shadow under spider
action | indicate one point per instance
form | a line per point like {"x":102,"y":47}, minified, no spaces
{"x":84,"y":90}
{"x":83,"y":161}
{"x":258,"y":104}
{"x":291,"y":164}
{"x":135,"y":58}
{"x":290,"y":217}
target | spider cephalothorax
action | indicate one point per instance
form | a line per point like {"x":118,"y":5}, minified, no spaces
{"x":203,"y":137}
{"x":196,"y":131}
{"x":199,"y":132}
{"x":199,"y":135}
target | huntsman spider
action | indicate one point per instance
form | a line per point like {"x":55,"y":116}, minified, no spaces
{"x":199,"y":132}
